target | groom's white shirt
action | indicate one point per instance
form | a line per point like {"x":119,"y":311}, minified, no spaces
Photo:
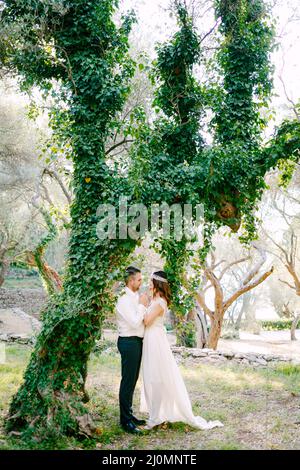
{"x":130,"y":314}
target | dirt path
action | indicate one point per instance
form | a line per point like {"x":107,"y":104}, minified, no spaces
{"x":267,"y":342}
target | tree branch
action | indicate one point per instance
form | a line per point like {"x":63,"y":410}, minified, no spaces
{"x":122,"y":142}
{"x":55,"y":175}
{"x":218,"y":289}
{"x":287,"y":283}
{"x":241,"y":260}
{"x":201,"y":301}
{"x":246,"y":288}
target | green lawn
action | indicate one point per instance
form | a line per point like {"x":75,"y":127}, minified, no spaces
{"x":259,"y":408}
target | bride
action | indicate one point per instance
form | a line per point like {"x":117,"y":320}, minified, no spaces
{"x":163,"y":395}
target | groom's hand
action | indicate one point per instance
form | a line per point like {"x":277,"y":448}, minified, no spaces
{"x":144,"y":299}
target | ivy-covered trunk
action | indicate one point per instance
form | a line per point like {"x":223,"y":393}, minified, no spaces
{"x":53,"y":390}
{"x":77,"y":47}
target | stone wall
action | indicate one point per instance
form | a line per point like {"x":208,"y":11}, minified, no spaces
{"x":211,"y":356}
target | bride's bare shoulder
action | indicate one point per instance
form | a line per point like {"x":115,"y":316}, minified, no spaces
{"x":161,"y":301}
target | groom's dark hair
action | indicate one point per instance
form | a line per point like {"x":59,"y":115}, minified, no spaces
{"x":130,"y":271}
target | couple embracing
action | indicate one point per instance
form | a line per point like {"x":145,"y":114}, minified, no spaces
{"x":143,"y":342}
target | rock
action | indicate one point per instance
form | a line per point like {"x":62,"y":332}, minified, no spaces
{"x":13,"y":336}
{"x":214,"y":357}
{"x":23,"y":339}
{"x":268,"y":358}
{"x":229,"y":354}
{"x":262,"y":362}
{"x":251,"y":357}
{"x":178,"y":349}
{"x":199,"y":354}
{"x":276,"y":358}
{"x":222,"y":359}
{"x":239,"y":356}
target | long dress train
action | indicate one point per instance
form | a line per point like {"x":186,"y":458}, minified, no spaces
{"x":163,"y":394}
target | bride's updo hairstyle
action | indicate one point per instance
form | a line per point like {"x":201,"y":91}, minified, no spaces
{"x":162,"y":286}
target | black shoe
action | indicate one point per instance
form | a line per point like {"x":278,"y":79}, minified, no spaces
{"x":131,"y":428}
{"x":138,"y":422}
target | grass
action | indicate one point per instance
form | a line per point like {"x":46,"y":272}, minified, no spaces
{"x":260,"y":408}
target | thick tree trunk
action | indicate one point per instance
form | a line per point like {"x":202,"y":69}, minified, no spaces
{"x":52,"y":393}
{"x":294,"y":327}
{"x":215,"y":331}
{"x":53,"y":388}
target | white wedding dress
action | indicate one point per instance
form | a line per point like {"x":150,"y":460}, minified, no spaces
{"x":163,"y":394}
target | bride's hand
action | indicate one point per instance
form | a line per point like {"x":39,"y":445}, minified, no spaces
{"x":144,"y":300}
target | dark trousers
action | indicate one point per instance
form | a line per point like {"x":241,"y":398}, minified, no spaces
{"x":130,"y":349}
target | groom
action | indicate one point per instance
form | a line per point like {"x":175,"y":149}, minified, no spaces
{"x":131,"y":309}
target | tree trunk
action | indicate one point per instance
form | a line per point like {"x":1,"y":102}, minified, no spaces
{"x":202,"y":331}
{"x":245,"y":305}
{"x":250,"y":323}
{"x":52,"y":393}
{"x":237,"y":325}
{"x":215,"y":331}
{"x":53,"y":387}
{"x":294,"y":327}
{"x":3,"y":270}
{"x":50,"y":277}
